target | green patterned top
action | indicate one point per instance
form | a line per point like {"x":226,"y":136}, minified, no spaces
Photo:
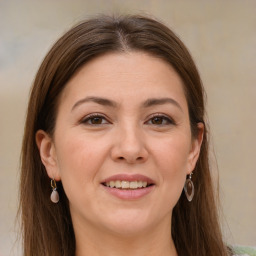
{"x":244,"y":251}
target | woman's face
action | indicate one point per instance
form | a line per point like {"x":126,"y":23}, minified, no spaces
{"x":122,"y":124}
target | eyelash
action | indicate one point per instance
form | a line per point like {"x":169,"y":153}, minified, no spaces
{"x":89,"y":118}
{"x":168,"y":120}
{"x":92,"y":116}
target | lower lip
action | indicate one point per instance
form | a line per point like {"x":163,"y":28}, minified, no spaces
{"x":130,"y":194}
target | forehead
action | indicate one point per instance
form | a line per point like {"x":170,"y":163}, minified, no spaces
{"x":131,"y":76}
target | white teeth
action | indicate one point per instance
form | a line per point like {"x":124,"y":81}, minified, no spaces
{"x":118,"y":184}
{"x":111,"y":184}
{"x":126,"y":184}
{"x":133,"y":184}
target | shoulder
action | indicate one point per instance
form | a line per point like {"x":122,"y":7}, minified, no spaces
{"x":244,"y":251}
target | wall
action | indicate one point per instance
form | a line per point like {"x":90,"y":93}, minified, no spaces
{"x":221,"y":36}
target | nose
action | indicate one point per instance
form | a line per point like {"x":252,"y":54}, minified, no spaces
{"x":129,"y":146}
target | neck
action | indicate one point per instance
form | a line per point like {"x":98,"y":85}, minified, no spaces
{"x":157,"y":241}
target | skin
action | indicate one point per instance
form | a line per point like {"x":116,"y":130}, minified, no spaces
{"x":127,"y":139}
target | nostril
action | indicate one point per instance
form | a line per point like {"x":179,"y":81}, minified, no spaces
{"x":131,"y":159}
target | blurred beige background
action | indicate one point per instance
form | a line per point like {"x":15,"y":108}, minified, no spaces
{"x":222,"y":38}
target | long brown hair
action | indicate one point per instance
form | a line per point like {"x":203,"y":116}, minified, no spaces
{"x":47,"y":228}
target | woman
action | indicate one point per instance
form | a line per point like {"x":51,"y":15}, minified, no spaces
{"x":115,"y":128}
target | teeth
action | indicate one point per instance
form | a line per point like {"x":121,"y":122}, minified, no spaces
{"x":133,"y":184}
{"x":117,"y":183}
{"x":126,"y":184}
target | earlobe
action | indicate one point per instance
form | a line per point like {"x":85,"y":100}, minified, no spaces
{"x":195,"y":147}
{"x":48,"y":154}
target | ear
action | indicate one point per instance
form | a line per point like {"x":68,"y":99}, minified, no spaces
{"x":48,"y":154}
{"x":195,"y":148}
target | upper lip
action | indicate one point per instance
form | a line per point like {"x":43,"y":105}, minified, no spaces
{"x":129,"y":177}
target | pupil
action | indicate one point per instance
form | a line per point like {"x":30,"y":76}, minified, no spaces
{"x":96,"y":120}
{"x":157,"y":120}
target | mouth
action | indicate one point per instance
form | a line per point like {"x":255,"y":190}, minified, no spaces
{"x":127,"y":185}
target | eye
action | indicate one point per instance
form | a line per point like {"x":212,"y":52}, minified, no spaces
{"x":94,"y":119}
{"x":160,"y":120}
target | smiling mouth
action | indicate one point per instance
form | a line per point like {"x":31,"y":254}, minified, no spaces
{"x":127,"y":185}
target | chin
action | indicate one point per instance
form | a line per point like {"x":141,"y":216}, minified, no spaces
{"x":127,"y":224}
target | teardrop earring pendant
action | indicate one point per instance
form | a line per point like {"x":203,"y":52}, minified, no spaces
{"x":189,"y":188}
{"x":54,"y":195}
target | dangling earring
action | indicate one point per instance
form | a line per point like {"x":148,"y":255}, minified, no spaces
{"x":54,"y":195}
{"x":189,"y":188}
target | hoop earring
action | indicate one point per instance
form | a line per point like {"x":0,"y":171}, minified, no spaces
{"x":189,"y":188}
{"x":54,"y":195}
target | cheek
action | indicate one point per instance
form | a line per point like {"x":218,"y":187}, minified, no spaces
{"x":78,"y":152}
{"x":79,"y":160}
{"x":172,"y":158}
{"x":172,"y":153}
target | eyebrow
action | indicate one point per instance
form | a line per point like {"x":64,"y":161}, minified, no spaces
{"x":106,"y":102}
{"x":161,"y":101}
{"x":98,"y":100}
